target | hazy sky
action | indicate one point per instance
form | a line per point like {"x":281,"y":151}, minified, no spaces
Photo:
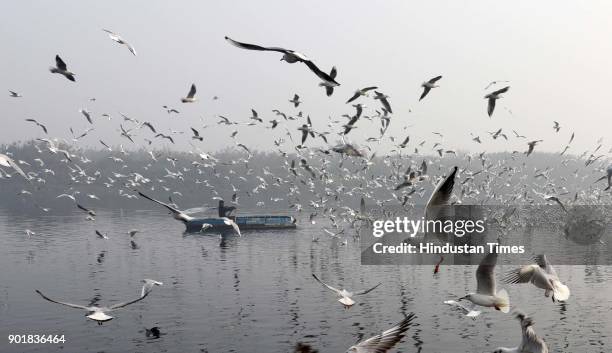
{"x":557,"y":56}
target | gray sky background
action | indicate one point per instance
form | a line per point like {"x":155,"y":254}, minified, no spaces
{"x":557,"y":56}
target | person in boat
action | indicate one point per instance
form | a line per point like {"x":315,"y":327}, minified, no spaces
{"x":226,"y":211}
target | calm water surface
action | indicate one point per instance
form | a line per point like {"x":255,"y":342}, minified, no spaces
{"x":256,"y":293}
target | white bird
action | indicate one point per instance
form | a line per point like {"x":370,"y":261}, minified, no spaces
{"x":492,"y":97}
{"x":386,"y":340}
{"x":230,"y":222}
{"x":530,"y":341}
{"x":96,"y":313}
{"x":542,"y":275}
{"x":101,"y":236}
{"x":114,"y":36}
{"x":191,"y":95}
{"x":177,"y":214}
{"x":428,"y":85}
{"x":346,"y":297}
{"x":8,"y":162}
{"x":291,"y":57}
{"x":148,"y":286}
{"x":360,"y":92}
{"x":486,"y":292}
{"x":62,"y":69}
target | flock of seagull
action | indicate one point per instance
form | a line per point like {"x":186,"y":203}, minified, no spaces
{"x":307,"y":181}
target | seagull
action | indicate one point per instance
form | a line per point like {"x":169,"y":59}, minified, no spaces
{"x":386,"y":340}
{"x":14,"y":94}
{"x":178,"y":215}
{"x":486,"y":293}
{"x":530,"y":341}
{"x":96,"y":313}
{"x":383,"y":100}
{"x":428,"y":85}
{"x":556,"y":126}
{"x":291,"y":57}
{"x":86,"y":114}
{"x":62,"y":69}
{"x":531,"y":146}
{"x":469,"y":311}
{"x":441,"y":195}
{"x":133,"y":232}
{"x":542,"y":275}
{"x":8,"y":162}
{"x":114,"y":36}
{"x":102,"y":236}
{"x":196,"y":135}
{"x":191,"y":95}
{"x":296,"y":100}
{"x":148,"y":286}
{"x":346,"y":296}
{"x":360,"y":93}
{"x":37,"y":123}
{"x":230,"y":222}
{"x":492,"y":97}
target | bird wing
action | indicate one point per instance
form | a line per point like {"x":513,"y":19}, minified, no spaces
{"x":60,"y":63}
{"x":355,"y":96}
{"x":366,"y":291}
{"x":8,"y":162}
{"x":255,"y":47}
{"x":443,"y":191}
{"x":131,"y":48}
{"x":121,"y":305}
{"x":485,"y":275}
{"x":336,"y":290}
{"x":195,"y":132}
{"x":503,"y":90}
{"x":172,"y":209}
{"x":542,"y":261}
{"x":322,"y":75}
{"x":76,"y":306}
{"x":521,"y":275}
{"x":425,"y":91}
{"x":491,"y":106}
{"x":192,"y":91}
{"x":233,"y":224}
{"x":387,"y":339}
{"x":435,"y":79}
{"x":333,"y":72}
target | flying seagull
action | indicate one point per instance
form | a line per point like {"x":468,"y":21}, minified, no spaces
{"x":346,"y":296}
{"x":62,"y":69}
{"x":492,"y":97}
{"x":386,"y":340}
{"x":38,"y":124}
{"x":542,"y":275}
{"x":291,"y":57}
{"x":530,"y":341}
{"x":178,"y":215}
{"x":486,"y":292}
{"x":8,"y":162}
{"x":191,"y":95}
{"x":96,"y":313}
{"x":428,"y":85}
{"x":114,"y":36}
{"x":296,"y":100}
{"x":360,"y":92}
{"x":383,"y":100}
{"x":14,"y":94}
{"x":148,"y":286}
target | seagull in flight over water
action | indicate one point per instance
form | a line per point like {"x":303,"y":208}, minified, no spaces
{"x":117,"y":38}
{"x":487,"y":294}
{"x":346,"y":296}
{"x":62,"y":69}
{"x":97,"y":313}
{"x":291,"y":57}
{"x":177,"y":214}
{"x":542,"y":275}
{"x":530,"y":341}
{"x":428,"y":85}
{"x":8,"y":162}
{"x":492,"y":97}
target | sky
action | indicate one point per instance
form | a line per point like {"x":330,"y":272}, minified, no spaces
{"x":556,"y":56}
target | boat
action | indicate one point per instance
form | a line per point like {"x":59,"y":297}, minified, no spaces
{"x":243,"y":222}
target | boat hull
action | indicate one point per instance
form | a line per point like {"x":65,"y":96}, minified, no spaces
{"x":243,"y":222}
